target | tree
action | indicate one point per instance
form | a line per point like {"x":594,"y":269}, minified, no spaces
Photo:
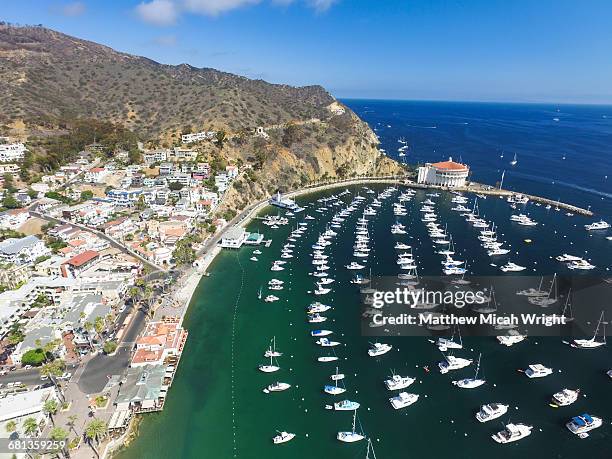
{"x":10,"y":426}
{"x":16,"y":336}
{"x":95,"y":431}
{"x":175,"y":186}
{"x":52,"y":370}
{"x":220,"y":138}
{"x":34,"y":357}
{"x":59,"y":434}
{"x":110,"y":347}
{"x":99,"y":325}
{"x":86,"y":195}
{"x":50,"y":407}
{"x":30,"y":426}
{"x":72,"y":422}
{"x":10,"y":202}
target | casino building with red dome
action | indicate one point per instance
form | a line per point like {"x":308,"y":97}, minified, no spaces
{"x":446,"y":173}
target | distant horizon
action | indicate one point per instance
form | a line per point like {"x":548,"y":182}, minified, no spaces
{"x":492,"y":102}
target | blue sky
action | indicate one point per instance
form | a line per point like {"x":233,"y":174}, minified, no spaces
{"x":491,"y":50}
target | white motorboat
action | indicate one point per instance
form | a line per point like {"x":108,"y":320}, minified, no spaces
{"x":271,"y":299}
{"x":581,"y":265}
{"x":451,"y":362}
{"x":352,"y":436}
{"x":276,"y":387}
{"x":471,"y":383}
{"x":324,"y":342}
{"x":354,"y":265}
{"x":491,"y":411}
{"x":537,"y":371}
{"x":600,"y":225}
{"x":565,"y":397}
{"x":403,"y":399}
{"x":283,"y":437}
{"x":566,"y":257}
{"x":317,"y":307}
{"x":316,"y":318}
{"x":379,"y":349}
{"x":344,"y":405}
{"x":513,"y":337}
{"x":512,"y":267}
{"x":327,"y":358}
{"x":320,"y":333}
{"x":583,"y":423}
{"x":512,"y":433}
{"x":397,"y":382}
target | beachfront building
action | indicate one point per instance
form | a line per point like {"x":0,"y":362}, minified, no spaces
{"x":144,"y":389}
{"x":446,"y":173}
{"x":16,"y":407}
{"x":161,"y":342}
{"x":234,"y":238}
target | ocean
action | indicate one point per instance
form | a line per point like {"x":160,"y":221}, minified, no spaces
{"x":216,"y":407}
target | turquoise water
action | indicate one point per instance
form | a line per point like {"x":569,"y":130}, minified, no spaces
{"x":216,"y":408}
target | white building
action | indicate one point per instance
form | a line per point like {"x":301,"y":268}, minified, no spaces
{"x":445,"y":173}
{"x":182,"y":154}
{"x":9,"y":168}
{"x":12,"y":152}
{"x":156,"y":156}
{"x":205,"y":135}
{"x":124,"y":197}
{"x":24,"y":250}
{"x":234,"y":238}
{"x":26,"y":404}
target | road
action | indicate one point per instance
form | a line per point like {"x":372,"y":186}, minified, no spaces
{"x":100,"y":234}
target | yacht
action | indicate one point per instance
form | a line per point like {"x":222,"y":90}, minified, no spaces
{"x":253,"y":259}
{"x":491,"y":411}
{"x":283,"y":437}
{"x":513,"y":337}
{"x":512,"y":267}
{"x":397,"y":382}
{"x":354,"y":265}
{"x":344,"y":405}
{"x":471,"y":383}
{"x":271,"y":299}
{"x":581,"y":264}
{"x":379,"y":349}
{"x":583,"y":424}
{"x":567,"y":257}
{"x":320,"y":332}
{"x":537,"y":370}
{"x":317,"y":307}
{"x":316,"y":318}
{"x":565,"y":397}
{"x":352,"y":436}
{"x":512,"y":433}
{"x":328,"y":358}
{"x":600,"y":225}
{"x":451,"y":362}
{"x":324,"y":342}
{"x":403,"y":399}
{"x":276,"y":387}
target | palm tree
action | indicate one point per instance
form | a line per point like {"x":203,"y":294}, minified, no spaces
{"x":88,"y":326}
{"x":53,"y":370}
{"x":72,"y":422}
{"x":30,"y":426}
{"x":50,"y":407}
{"x":59,"y":434}
{"x":10,"y":426}
{"x":95,"y":430}
{"x":99,"y":326}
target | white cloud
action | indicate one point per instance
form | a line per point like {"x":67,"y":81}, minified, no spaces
{"x":158,"y":12}
{"x":321,"y":5}
{"x":216,"y":7}
{"x":73,"y":9}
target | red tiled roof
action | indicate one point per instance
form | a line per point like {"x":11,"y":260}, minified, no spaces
{"x":450,"y":166}
{"x":96,"y":169}
{"x":83,"y":258}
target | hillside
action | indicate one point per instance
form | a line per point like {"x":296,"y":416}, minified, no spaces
{"x":49,"y":80}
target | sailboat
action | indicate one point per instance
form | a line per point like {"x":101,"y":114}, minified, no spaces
{"x":269,"y":368}
{"x":259,"y":293}
{"x":370,"y":446}
{"x":544,"y":301}
{"x":337,"y":376}
{"x":514,"y":161}
{"x":471,"y":383}
{"x":352,"y":436}
{"x":591,"y":343}
{"x":271,"y":351}
{"x":334,"y":389}
{"x":444,"y":344}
